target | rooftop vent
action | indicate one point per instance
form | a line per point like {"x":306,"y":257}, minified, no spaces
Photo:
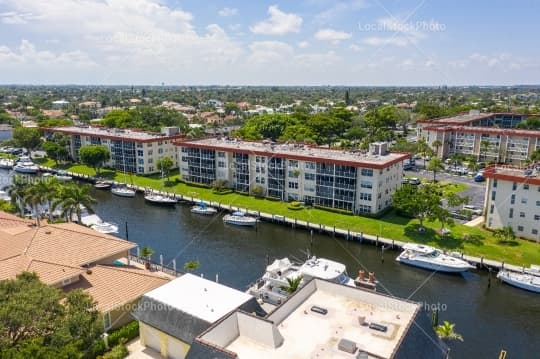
{"x":319,"y":310}
{"x":378,"y":327}
{"x":346,"y":345}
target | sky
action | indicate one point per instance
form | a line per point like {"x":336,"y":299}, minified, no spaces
{"x":259,"y":42}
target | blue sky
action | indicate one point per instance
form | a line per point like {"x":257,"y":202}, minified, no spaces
{"x":304,"y":42}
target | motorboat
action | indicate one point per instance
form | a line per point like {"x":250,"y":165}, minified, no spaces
{"x":427,"y":257}
{"x":529,"y":279}
{"x":63,"y":176}
{"x":4,"y":196}
{"x":102,"y":185}
{"x":6,"y":163}
{"x":274,"y":286}
{"x":105,"y":227}
{"x":123,"y":191}
{"x":202,"y":208}
{"x":25,"y":166}
{"x":239,"y":218}
{"x":156,"y":198}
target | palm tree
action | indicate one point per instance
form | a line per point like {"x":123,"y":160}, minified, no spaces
{"x":485,"y":146}
{"x":73,"y":198}
{"x":446,"y":331}
{"x":17,"y":191}
{"x":51,"y":192}
{"x":35,"y":197}
{"x":437,"y":144}
{"x":473,"y":165}
{"x":146,"y":253}
{"x":190,"y":266}
{"x":435,"y":165}
{"x":456,"y":159}
{"x":293,"y":284}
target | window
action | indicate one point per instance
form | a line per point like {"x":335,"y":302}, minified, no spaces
{"x":309,"y":176}
{"x":310,"y":165}
{"x":537,"y":217}
{"x":140,"y":153}
{"x":367,"y":172}
{"x":538,"y":203}
{"x":293,"y":185}
{"x":534,"y":231}
{"x":293,"y":163}
{"x":491,"y":208}
{"x":140,"y":161}
{"x":366,"y":184}
{"x":221,"y":164}
{"x":365,"y":196}
{"x":514,"y":186}
{"x":521,"y":214}
{"x":511,"y":213}
{"x":150,"y":152}
{"x":495,"y":183}
{"x":493,"y":195}
{"x":107,"y":320}
{"x":526,"y":186}
{"x":160,"y":150}
{"x":524,"y":200}
{"x":520,"y":228}
{"x":141,"y":170}
{"x":513,"y":199}
{"x":219,"y":154}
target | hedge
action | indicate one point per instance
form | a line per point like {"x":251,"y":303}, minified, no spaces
{"x":334,"y":210}
{"x":117,"y":336}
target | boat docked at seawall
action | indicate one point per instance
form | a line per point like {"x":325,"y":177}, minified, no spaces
{"x":6,"y":163}
{"x":272,"y":287}
{"x":25,"y":165}
{"x":96,"y":223}
{"x":431,"y":258}
{"x":123,"y":191}
{"x":240,"y":219}
{"x":103,"y":185}
{"x":158,"y":199}
{"x":203,"y":209}
{"x":529,"y":279}
{"x":63,"y":176}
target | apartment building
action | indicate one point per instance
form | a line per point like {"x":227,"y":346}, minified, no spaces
{"x":513,"y":199}
{"x":131,"y":150}
{"x":490,"y":137}
{"x":358,"y":181}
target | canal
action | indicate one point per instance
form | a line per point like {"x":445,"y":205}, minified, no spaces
{"x":490,"y":319}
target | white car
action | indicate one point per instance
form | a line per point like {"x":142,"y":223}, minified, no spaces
{"x":475,"y":210}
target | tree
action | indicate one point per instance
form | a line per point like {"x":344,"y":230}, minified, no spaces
{"x":292,"y":284}
{"x":436,"y":144}
{"x":257,"y":191}
{"x":446,"y":331}
{"x":17,"y":191}
{"x":419,"y":202}
{"x":27,"y":137}
{"x":164,"y":165}
{"x":505,"y":233}
{"x":55,"y":151}
{"x":73,"y":198}
{"x":485,"y":146}
{"x":219,"y":185}
{"x":146,"y":254}
{"x":36,"y":323}
{"x":191,"y":266}
{"x":435,"y":165}
{"x":94,"y":156}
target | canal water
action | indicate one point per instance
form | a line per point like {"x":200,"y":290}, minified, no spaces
{"x":490,"y":319}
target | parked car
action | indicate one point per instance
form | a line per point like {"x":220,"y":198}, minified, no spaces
{"x":414,"y":181}
{"x":475,"y":210}
{"x":460,"y":215}
{"x":479,"y":178}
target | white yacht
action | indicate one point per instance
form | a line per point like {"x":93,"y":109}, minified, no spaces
{"x":6,"y":163}
{"x":239,"y":218}
{"x":155,"y":198}
{"x":271,"y":288}
{"x":62,"y":176}
{"x":102,"y":184}
{"x":529,"y":279}
{"x":202,"y":208}
{"x":123,"y":191}
{"x":427,"y":257}
{"x":96,"y":223}
{"x":25,"y":165}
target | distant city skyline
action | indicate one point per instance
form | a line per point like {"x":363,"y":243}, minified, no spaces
{"x":306,"y":42}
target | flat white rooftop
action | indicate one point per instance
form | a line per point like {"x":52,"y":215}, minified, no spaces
{"x":293,"y":150}
{"x":312,"y":335}
{"x":109,"y":132}
{"x":199,"y":297}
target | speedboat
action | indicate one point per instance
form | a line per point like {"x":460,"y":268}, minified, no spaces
{"x":529,"y":279}
{"x":123,"y":191}
{"x":274,"y":286}
{"x":105,"y":227}
{"x":26,"y":166}
{"x":6,"y":163}
{"x":427,"y":257}
{"x":102,"y":185}
{"x":63,"y":176}
{"x":155,"y":198}
{"x":202,"y":208}
{"x":239,"y":218}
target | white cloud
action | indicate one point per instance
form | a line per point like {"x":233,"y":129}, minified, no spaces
{"x":383,"y":41}
{"x":338,"y":9}
{"x":26,"y":53}
{"x":227,"y":11}
{"x":16,"y":18}
{"x":279,"y":23}
{"x":303,"y":44}
{"x":263,"y":52}
{"x":355,"y":47}
{"x":332,"y":35}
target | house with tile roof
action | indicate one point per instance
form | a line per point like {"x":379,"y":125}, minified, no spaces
{"x":69,"y":256}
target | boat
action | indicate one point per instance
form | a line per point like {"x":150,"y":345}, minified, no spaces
{"x":4,"y":196}
{"x":427,"y":257}
{"x":272,"y":287}
{"x":26,"y":166}
{"x":529,"y":279}
{"x":239,"y":218}
{"x":63,"y":176}
{"x":123,"y":191}
{"x":155,"y":198}
{"x":102,"y":185}
{"x":6,"y":163}
{"x":202,"y":208}
{"x":105,"y":227}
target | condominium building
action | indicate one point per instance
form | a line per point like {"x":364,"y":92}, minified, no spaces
{"x":490,"y":137}
{"x":513,"y":199}
{"x":131,"y":151}
{"x":358,"y":181}
{"x":324,"y":320}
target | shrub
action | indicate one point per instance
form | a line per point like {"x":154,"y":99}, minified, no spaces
{"x":257,"y":191}
{"x":128,"y":332}
{"x":334,"y":210}
{"x":223,"y":191}
{"x":295,"y":206}
{"x":273,"y":199}
{"x":119,"y":351}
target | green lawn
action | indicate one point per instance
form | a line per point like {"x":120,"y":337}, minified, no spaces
{"x":473,"y":241}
